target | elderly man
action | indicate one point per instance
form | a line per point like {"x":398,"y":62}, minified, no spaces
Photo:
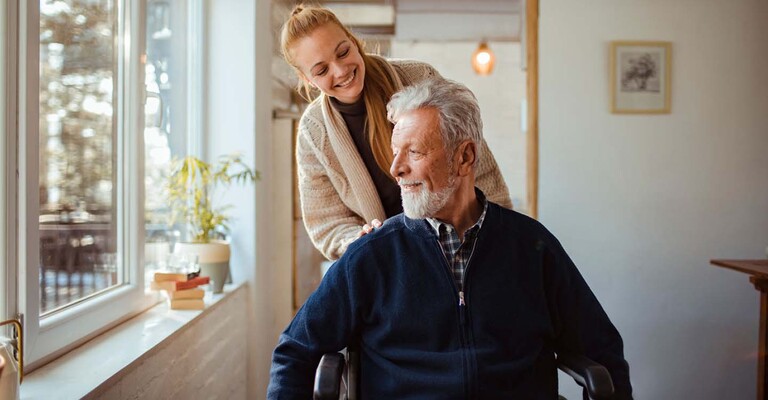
{"x":457,"y":297}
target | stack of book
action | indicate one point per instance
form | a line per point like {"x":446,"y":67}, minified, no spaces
{"x":182,"y":289}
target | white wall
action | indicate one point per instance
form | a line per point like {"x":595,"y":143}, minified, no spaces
{"x":239,"y":118}
{"x":498,"y":94}
{"x":643,"y":202}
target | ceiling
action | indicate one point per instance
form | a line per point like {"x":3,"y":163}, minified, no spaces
{"x":424,"y":20}
{"x":379,"y":22}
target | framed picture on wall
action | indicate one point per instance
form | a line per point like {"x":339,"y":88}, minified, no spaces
{"x":641,"y":77}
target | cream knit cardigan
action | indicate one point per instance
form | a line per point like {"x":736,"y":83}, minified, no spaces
{"x":337,"y":193}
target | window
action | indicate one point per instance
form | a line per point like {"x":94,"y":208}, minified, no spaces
{"x":3,"y":159}
{"x":92,"y":221}
{"x":78,"y":137}
{"x":172,"y":77}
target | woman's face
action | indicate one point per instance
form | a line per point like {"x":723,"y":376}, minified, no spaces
{"x":330,"y":61}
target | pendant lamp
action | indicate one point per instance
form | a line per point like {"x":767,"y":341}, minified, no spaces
{"x":483,"y":59}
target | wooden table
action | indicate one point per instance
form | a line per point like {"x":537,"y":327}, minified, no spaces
{"x":758,"y":271}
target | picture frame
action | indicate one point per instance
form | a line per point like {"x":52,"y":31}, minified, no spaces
{"x":641,"y":77}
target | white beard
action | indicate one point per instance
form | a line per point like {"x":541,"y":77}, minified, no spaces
{"x":426,"y":203}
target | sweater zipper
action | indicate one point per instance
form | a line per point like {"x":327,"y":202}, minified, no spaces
{"x":462,"y":319}
{"x":458,"y":288}
{"x":462,"y":300}
{"x":462,"y":312}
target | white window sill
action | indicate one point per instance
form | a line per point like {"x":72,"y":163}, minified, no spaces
{"x":81,"y":371}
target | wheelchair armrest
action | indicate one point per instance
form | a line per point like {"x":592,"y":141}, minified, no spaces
{"x":328,"y":377}
{"x":593,"y":377}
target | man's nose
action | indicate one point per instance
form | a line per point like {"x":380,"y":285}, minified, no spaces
{"x":399,"y":166}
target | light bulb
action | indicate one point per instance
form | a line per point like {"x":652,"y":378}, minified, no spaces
{"x":483,"y":59}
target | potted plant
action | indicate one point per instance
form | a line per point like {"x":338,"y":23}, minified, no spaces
{"x":192,"y":188}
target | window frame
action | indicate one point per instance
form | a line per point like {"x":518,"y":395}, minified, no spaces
{"x":50,"y":336}
{"x":47,"y":337}
{"x":7,"y":159}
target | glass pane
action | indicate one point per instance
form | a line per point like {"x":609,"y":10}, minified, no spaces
{"x":165,"y":132}
{"x":3,"y":144}
{"x":77,"y":151}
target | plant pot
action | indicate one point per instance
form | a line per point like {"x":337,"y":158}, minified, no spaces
{"x":213,"y":258}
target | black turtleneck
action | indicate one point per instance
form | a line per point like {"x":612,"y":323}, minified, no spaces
{"x":355,"y":117}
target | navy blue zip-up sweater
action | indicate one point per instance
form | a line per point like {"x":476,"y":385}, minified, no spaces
{"x":393,"y":294}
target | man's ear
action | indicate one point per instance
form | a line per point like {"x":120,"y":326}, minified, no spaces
{"x":467,"y":155}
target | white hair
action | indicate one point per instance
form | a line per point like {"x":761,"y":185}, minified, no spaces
{"x":458,"y":111}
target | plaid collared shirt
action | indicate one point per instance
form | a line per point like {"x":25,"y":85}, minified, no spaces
{"x":456,"y":252}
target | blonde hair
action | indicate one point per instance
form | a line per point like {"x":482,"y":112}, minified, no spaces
{"x":378,"y":85}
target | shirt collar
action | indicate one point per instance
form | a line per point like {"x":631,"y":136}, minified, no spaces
{"x":435,"y":223}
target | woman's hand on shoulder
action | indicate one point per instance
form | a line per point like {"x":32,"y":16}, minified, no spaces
{"x":368,"y":228}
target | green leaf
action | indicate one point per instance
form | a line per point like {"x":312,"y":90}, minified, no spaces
{"x":191,"y":186}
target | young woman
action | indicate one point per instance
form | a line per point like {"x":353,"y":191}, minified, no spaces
{"x":343,"y":147}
